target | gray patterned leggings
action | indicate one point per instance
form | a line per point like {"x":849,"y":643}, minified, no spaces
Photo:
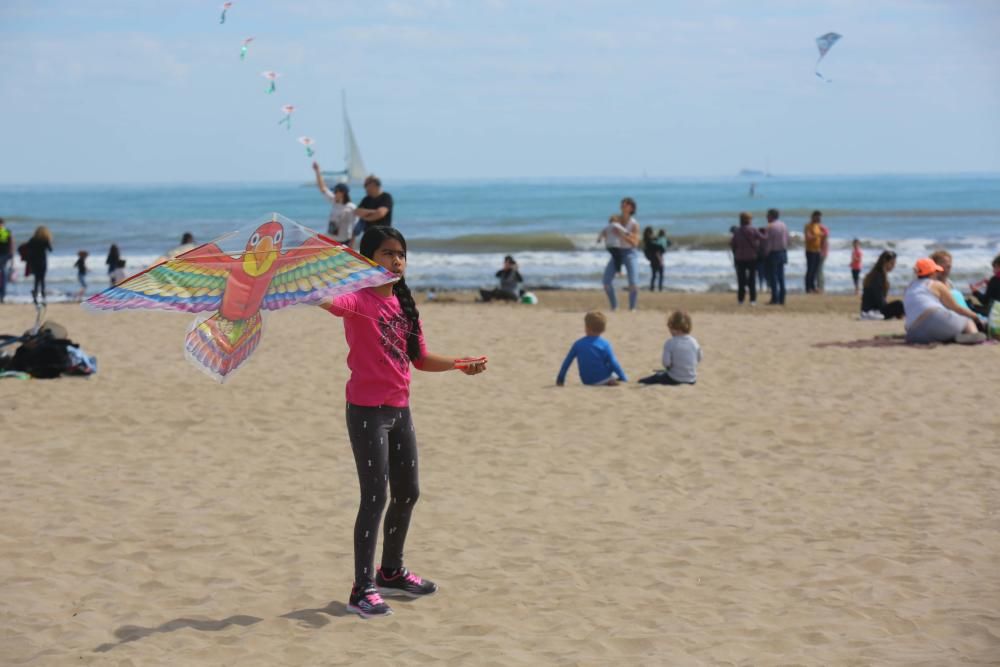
{"x":385,"y":450}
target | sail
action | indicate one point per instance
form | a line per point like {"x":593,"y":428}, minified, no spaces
{"x":353,"y":164}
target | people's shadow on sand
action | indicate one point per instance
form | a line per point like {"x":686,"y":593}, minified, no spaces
{"x":131,"y":633}
{"x":317,"y":618}
{"x":878,"y":341}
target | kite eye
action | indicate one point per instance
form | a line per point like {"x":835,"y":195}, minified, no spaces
{"x":255,"y":239}
{"x":277,"y":237}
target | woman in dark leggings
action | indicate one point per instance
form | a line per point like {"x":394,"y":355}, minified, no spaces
{"x":382,"y":327}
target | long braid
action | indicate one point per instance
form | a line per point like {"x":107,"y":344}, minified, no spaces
{"x":409,"y":306}
{"x":370,"y":242}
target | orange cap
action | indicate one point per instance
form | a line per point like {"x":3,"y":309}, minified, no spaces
{"x":926,"y":266}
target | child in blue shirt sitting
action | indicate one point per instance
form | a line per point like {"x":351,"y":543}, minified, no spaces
{"x":593,"y":355}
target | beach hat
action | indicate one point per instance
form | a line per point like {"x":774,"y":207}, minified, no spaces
{"x":926,"y":266}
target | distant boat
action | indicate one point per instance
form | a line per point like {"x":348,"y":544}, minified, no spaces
{"x":754,"y":173}
{"x":354,"y":170}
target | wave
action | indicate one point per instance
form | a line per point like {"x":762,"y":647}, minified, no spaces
{"x":828,"y":213}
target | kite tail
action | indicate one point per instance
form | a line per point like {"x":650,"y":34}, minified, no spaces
{"x":219,"y":346}
{"x":243,"y":53}
{"x":271,"y":88}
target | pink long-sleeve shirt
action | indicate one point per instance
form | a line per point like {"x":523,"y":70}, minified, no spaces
{"x":376,"y":330}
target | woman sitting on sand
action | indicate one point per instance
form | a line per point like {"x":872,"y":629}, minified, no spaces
{"x":876,"y":289}
{"x":932,"y":316}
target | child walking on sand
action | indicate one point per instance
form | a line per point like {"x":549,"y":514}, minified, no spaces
{"x":681,"y":353}
{"x":856,"y":265}
{"x":382,"y":327}
{"x":594,"y":356}
{"x":81,"y":272}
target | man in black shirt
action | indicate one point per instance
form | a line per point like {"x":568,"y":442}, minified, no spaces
{"x":376,"y":207}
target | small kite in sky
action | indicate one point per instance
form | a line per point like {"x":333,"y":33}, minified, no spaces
{"x":229,"y":281}
{"x":272,"y":77}
{"x":243,"y":49}
{"x":225,"y":6}
{"x":308,"y":143}
{"x":824,"y":44}
{"x":287,"y":109}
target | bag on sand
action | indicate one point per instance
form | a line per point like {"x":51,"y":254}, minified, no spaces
{"x":45,"y":357}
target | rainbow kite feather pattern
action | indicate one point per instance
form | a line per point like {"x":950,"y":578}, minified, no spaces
{"x":271,"y":265}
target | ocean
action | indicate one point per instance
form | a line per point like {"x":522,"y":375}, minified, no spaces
{"x":458,"y":232}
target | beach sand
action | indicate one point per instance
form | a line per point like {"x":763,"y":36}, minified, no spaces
{"x":818,"y":498}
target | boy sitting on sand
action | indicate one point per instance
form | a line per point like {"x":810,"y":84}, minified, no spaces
{"x":681,"y":353}
{"x":593,"y":355}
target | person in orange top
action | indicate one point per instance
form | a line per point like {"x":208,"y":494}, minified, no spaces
{"x":815,"y":235}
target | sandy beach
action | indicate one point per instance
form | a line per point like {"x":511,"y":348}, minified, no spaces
{"x":820,"y":497}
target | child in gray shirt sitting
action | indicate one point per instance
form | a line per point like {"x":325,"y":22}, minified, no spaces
{"x":681,"y":353}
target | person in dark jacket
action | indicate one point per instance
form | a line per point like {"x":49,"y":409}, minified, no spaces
{"x":509,"y":278}
{"x":746,"y":244}
{"x":876,"y":289}
{"x":36,"y":257}
{"x":114,"y":256}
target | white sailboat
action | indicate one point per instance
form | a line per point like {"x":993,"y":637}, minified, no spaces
{"x":354,"y":170}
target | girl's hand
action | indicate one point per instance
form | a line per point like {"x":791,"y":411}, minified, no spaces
{"x":471,"y":365}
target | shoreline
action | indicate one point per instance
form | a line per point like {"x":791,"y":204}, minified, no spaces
{"x":582,"y":300}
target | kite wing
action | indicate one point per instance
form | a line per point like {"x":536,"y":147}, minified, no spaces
{"x":271,"y":265}
{"x":824,"y":43}
{"x":318,"y":269}
{"x":183,"y":284}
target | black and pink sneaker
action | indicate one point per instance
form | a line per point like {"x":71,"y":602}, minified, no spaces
{"x":404,"y":583}
{"x":367,"y":603}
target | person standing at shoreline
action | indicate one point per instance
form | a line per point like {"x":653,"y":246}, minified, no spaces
{"x":114,"y":256}
{"x":746,"y":243}
{"x":376,"y":208}
{"x":343,"y":214}
{"x":813,"y":232}
{"x":856,"y":256}
{"x":629,"y":242}
{"x":6,"y":255}
{"x":36,"y":256}
{"x":777,"y":256}
{"x":653,"y":251}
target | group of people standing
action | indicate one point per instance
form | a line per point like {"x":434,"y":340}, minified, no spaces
{"x":760,"y":254}
{"x":348,"y":222}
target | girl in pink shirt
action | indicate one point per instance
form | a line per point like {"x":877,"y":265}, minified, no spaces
{"x":382,"y":327}
{"x":855,"y":263}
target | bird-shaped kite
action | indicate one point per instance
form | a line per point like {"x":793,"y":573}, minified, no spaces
{"x":280,"y":264}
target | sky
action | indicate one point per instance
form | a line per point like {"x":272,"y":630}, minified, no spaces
{"x":150,"y":91}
